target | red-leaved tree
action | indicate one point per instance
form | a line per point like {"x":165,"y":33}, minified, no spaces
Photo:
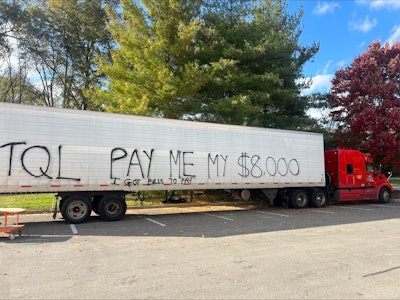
{"x":365,"y":104}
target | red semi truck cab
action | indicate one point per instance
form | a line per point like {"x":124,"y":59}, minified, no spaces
{"x":351,"y":175}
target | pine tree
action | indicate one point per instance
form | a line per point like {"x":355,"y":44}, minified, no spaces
{"x":260,"y":60}
{"x":153,"y":70}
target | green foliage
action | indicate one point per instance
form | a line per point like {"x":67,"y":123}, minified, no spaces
{"x":16,"y":90}
{"x":152,"y":71}
{"x":226,"y":61}
{"x":366,"y":106}
{"x":259,"y":60}
{"x":232,"y":61}
{"x":58,"y":40}
{"x":11,"y":14}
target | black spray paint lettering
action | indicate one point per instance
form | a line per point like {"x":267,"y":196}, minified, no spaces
{"x":180,"y":160}
{"x":115,"y":157}
{"x":134,"y":161}
{"x":59,"y":167}
{"x":42,"y":170}
{"x":11,"y":153}
{"x":255,"y":166}
{"x":216,"y":161}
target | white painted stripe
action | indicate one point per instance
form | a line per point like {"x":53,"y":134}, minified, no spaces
{"x":220,"y":217}
{"x":73,"y":229}
{"x":384,"y":205}
{"x":322,"y":211}
{"x":155,"y":222}
{"x":356,"y":208}
{"x":274,"y":214}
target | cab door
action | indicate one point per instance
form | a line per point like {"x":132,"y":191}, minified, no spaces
{"x":370,"y":184}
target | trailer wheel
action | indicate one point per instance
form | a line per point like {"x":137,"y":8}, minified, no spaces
{"x":112,"y":207}
{"x":245,"y":195}
{"x":318,"y":198}
{"x":299,"y":199}
{"x":384,"y":195}
{"x":76,"y":209}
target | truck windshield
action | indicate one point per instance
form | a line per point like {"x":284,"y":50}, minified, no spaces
{"x":369,"y":167}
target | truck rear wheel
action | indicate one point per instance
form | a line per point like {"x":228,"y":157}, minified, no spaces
{"x":318,"y":198}
{"x":76,"y":209}
{"x":299,"y":199}
{"x":384,"y":195}
{"x":112,"y":207}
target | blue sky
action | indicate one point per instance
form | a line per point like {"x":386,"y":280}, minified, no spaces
{"x":344,"y":30}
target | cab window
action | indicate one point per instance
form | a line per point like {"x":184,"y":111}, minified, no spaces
{"x":369,"y":167}
{"x":349,"y":169}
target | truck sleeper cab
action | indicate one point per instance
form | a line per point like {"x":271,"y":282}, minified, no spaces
{"x":352,"y":176}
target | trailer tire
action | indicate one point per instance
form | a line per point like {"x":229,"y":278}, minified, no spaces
{"x":384,"y":195}
{"x":112,"y":207}
{"x":76,"y":209}
{"x":318,"y":198}
{"x":245,"y":195}
{"x":299,"y":198}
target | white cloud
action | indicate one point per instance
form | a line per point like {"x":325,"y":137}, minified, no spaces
{"x":318,"y":113}
{"x":378,"y":4}
{"x":326,"y":67}
{"x":319,"y":84}
{"x":395,"y":36}
{"x":324,"y":8}
{"x":363,"y":25}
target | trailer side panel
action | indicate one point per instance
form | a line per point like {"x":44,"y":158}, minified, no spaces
{"x":52,"y":150}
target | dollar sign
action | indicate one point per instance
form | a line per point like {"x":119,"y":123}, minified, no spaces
{"x":242,"y":162}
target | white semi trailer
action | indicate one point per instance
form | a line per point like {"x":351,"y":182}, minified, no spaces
{"x":91,"y":160}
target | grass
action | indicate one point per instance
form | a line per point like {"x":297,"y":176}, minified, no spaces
{"x":36,"y":202}
{"x":43,"y":202}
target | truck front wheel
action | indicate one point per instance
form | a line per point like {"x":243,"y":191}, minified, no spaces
{"x":112,"y":207}
{"x":299,"y":199}
{"x":76,"y":209}
{"x":384,"y":195}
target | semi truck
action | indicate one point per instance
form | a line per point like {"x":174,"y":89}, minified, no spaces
{"x":92,"y":160}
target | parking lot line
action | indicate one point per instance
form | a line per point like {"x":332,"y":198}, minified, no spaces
{"x":73,"y":229}
{"x":155,"y":222}
{"x":216,"y":216}
{"x":384,"y":205}
{"x":356,"y":208}
{"x":270,"y":213}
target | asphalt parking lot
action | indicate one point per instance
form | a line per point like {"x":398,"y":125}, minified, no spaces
{"x":347,"y":251}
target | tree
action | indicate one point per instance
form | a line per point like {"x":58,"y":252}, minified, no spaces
{"x":230,"y":61}
{"x":63,"y":38}
{"x":11,"y":13}
{"x":256,"y":45}
{"x":14,"y":90}
{"x":59,"y":41}
{"x":365,"y":103}
{"x":152,"y":70}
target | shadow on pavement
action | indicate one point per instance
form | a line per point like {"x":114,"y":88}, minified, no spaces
{"x":208,"y":223}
